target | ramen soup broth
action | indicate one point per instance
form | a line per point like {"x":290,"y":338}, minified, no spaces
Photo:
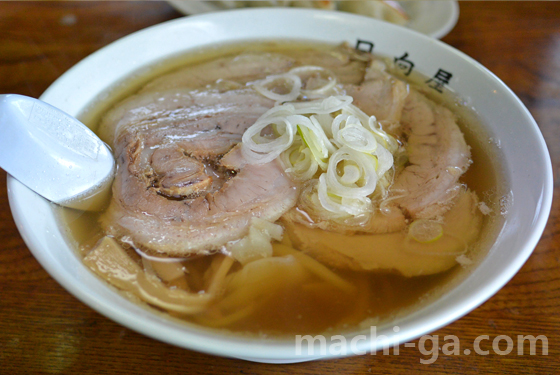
{"x":298,"y":289}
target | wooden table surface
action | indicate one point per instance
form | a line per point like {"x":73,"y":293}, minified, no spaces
{"x":44,"y":329}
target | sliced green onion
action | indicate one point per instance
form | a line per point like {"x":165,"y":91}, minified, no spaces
{"x":323,"y":106}
{"x":425,"y":231}
{"x":363,"y":162}
{"x":384,"y":159}
{"x":304,"y":73}
{"x":314,"y":137}
{"x":299,"y":161}
{"x":293,"y":81}
{"x":347,"y":130}
{"x":262,"y":149}
{"x":331,"y":134}
{"x":341,"y":205}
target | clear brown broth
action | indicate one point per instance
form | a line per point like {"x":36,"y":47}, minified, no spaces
{"x":382,"y":295}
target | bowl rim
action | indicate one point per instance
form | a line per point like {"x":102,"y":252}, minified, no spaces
{"x":257,"y":349}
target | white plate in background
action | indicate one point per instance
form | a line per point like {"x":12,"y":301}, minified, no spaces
{"x":433,"y":18}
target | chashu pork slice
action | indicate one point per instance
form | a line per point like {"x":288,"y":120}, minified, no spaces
{"x":396,"y":251}
{"x":238,"y":69}
{"x":171,"y":193}
{"x":180,"y":114}
{"x":380,"y":94}
{"x":437,"y":152}
{"x":348,"y":64}
{"x":438,"y":155}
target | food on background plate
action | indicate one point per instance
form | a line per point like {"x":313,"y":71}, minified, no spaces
{"x":384,"y":10}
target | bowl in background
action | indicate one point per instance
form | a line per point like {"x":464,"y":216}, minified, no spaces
{"x":526,"y":164}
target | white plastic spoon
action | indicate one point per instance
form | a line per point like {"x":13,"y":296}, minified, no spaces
{"x":53,"y":153}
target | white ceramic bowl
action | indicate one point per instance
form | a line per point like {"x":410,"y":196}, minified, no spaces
{"x":507,"y":120}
